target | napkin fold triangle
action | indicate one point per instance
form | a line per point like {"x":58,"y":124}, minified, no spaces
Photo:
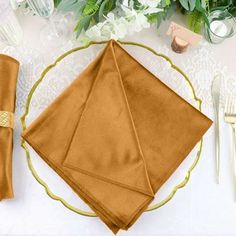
{"x":115,"y":135}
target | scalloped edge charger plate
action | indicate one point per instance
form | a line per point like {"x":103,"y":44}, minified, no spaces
{"x":160,"y":202}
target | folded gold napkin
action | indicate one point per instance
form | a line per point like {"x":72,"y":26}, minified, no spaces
{"x":115,"y":135}
{"x":8,"y":78}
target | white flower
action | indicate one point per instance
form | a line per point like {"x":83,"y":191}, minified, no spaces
{"x":94,"y":31}
{"x":128,"y":12}
{"x":98,"y":32}
{"x":150,"y":3}
{"x":137,"y":19}
{"x":151,"y":10}
{"x":121,"y":29}
{"x":150,"y":6}
{"x":118,"y":26}
{"x":140,"y":22}
{"x":125,"y":3}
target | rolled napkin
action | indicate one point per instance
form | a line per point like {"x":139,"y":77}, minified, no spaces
{"x":8,"y":77}
{"x":115,"y":135}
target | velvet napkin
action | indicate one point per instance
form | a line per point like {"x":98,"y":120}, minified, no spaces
{"x":115,"y":135}
{"x":8,"y":78}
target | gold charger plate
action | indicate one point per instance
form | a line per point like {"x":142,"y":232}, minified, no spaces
{"x":42,"y":182}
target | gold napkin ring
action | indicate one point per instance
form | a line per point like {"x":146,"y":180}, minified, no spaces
{"x":6,"y":119}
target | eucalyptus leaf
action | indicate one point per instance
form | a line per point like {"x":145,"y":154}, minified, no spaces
{"x":111,"y":4}
{"x":171,"y":10}
{"x":184,"y":4}
{"x":203,"y":12}
{"x":82,"y":24}
{"x":159,"y":19}
{"x":136,"y":4}
{"x":101,"y":9}
{"x":57,"y":2}
{"x":222,"y":8}
{"x":67,"y":5}
{"x":192,"y":4}
{"x":232,"y":11}
{"x":71,"y":5}
{"x":188,"y":5}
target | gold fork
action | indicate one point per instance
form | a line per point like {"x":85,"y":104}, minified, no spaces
{"x":230,"y":118}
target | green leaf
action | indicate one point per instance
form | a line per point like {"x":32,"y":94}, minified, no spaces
{"x":72,"y":5}
{"x":136,"y":4}
{"x":111,"y":5}
{"x":159,"y":19}
{"x":232,"y":10}
{"x":67,"y":5}
{"x":91,"y":7}
{"x":222,"y":8}
{"x":82,"y":24}
{"x":152,"y":18}
{"x":165,"y":3}
{"x":203,"y":12}
{"x":57,"y":2}
{"x":194,"y":21}
{"x":101,"y":9}
{"x":188,"y":5}
{"x":171,"y":10}
{"x":161,"y":16}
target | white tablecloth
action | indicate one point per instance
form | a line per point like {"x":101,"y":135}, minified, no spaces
{"x":201,"y":208}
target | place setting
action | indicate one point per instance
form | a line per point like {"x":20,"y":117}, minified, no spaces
{"x":116,"y":111}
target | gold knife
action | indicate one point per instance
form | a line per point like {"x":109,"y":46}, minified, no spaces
{"x":215,"y":91}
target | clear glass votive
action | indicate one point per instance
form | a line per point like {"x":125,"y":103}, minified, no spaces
{"x":222,"y":25}
{"x":10,"y":29}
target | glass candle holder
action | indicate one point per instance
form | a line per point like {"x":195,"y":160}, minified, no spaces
{"x":10,"y":29}
{"x":222,"y":25}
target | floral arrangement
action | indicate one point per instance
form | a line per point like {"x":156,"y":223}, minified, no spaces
{"x":107,"y":19}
